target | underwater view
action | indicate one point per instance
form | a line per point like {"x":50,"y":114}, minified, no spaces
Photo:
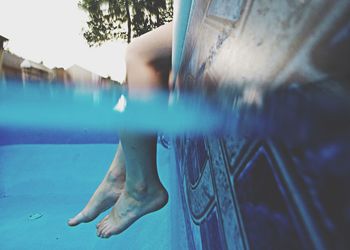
{"x":156,"y":125}
{"x":53,"y":153}
{"x":43,"y":185}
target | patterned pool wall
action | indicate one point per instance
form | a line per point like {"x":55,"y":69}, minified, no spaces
{"x":279,"y":179}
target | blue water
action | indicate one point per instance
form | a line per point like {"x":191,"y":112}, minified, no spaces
{"x":55,"y":107}
{"x":67,"y":115}
{"x":56,"y":144}
{"x":55,"y":182}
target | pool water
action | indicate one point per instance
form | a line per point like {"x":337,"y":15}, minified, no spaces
{"x":43,"y":185}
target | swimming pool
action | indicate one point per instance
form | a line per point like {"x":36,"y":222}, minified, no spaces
{"x":51,"y":163}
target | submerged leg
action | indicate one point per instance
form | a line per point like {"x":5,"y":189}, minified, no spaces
{"x":143,"y":191}
{"x":107,"y":192}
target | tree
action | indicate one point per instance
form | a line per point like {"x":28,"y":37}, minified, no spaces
{"x":123,"y":19}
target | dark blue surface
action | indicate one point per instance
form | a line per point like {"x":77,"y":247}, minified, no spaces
{"x":263,"y":204}
{"x":277,"y":172}
{"x":324,"y":171}
{"x":211,"y":233}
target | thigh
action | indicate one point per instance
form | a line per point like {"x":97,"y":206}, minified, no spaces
{"x":154,"y":45}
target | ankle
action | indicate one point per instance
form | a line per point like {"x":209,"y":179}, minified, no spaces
{"x":141,"y":190}
{"x":137,"y":190}
{"x":116,"y":177}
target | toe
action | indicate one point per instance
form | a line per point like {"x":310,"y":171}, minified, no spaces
{"x":104,"y":227}
{"x":102,"y":221}
{"x":111,"y":230}
{"x":76,"y":220}
{"x":106,"y":232}
{"x":99,"y":233}
{"x":101,"y":228}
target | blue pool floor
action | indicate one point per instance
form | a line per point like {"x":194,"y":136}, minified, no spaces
{"x":56,"y":181}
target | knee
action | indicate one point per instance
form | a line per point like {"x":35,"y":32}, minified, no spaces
{"x":129,"y":55}
{"x":134,"y":53}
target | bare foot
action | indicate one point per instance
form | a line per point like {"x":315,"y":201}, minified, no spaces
{"x":129,"y":208}
{"x":104,"y":197}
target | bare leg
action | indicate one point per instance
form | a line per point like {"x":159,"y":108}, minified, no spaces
{"x":107,"y":192}
{"x":143,"y":191}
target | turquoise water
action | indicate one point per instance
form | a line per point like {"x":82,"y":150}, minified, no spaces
{"x":56,"y":144}
{"x":41,"y":186}
{"x":52,"y":106}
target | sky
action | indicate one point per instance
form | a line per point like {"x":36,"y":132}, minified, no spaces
{"x":51,"y":31}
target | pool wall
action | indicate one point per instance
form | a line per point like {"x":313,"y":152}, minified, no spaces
{"x":279,"y":178}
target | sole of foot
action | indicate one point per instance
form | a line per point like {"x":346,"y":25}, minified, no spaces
{"x":128,"y":209}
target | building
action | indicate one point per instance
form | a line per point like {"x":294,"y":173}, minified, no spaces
{"x":36,"y":72}
{"x":11,"y":66}
{"x":9,"y":63}
{"x":79,"y":75}
{"x":16,"y":68}
{"x":61,"y":76}
{"x":2,"y":41}
{"x":106,"y":82}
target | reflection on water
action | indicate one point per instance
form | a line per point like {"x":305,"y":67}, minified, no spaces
{"x":293,"y":113}
{"x":55,"y":106}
